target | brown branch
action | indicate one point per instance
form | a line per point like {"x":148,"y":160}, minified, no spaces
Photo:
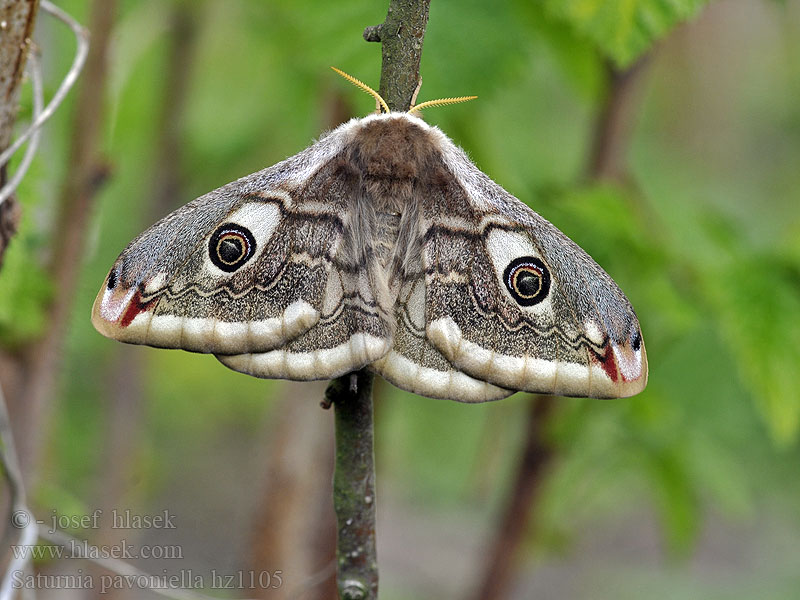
{"x":607,"y":159}
{"x":354,"y":486}
{"x":401,"y":36}
{"x":17,"y":19}
{"x":615,"y":121}
{"x":537,"y":455}
{"x":85,"y":173}
{"x":10,"y":214}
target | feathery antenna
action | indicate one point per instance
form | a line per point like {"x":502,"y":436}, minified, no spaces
{"x":440,"y":102}
{"x":418,"y":107}
{"x":364,"y":87}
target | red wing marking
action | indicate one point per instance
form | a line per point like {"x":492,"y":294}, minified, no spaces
{"x":135,"y":306}
{"x":609,"y":363}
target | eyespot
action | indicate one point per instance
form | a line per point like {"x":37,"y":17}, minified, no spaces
{"x":528,"y":280}
{"x":231,"y":246}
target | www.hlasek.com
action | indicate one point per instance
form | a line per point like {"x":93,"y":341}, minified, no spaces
{"x":123,"y":550}
{"x":185,"y":579}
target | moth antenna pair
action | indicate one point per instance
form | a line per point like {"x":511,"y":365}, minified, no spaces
{"x":385,"y":108}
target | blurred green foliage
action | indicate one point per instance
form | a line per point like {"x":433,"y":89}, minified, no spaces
{"x":624,"y":29}
{"x":703,"y":238}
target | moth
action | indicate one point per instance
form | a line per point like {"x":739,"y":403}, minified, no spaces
{"x":382,"y":246}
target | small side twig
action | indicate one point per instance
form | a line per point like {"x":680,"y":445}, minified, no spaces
{"x":82,"y":37}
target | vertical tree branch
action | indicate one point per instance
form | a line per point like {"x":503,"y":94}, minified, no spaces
{"x":85,"y":173}
{"x":17,"y":18}
{"x":606,"y":160}
{"x":401,"y":35}
{"x":537,"y":455}
{"x":614,"y":123}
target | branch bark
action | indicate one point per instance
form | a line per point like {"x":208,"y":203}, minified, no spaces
{"x":401,"y":37}
{"x":354,"y":486}
{"x":17,"y":19}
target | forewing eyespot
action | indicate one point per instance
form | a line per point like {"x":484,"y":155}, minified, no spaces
{"x":527,"y":280}
{"x":231,"y":246}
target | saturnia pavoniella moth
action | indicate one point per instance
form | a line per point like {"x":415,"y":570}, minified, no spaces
{"x":383,"y":246}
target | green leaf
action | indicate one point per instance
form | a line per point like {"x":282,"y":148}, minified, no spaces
{"x":624,"y":29}
{"x":25,"y":286}
{"x":757,"y":300}
{"x":675,"y":497}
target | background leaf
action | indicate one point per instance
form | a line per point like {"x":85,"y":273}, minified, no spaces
{"x":624,"y":29}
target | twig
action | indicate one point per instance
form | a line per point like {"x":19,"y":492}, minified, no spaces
{"x":16,"y":29}
{"x":401,"y":37}
{"x":17,"y":22}
{"x":82,"y":51}
{"x":38,"y":104}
